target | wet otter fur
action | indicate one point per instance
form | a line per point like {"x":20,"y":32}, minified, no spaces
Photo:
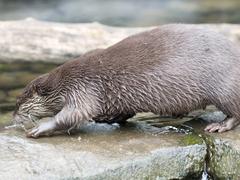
{"x":170,"y":70}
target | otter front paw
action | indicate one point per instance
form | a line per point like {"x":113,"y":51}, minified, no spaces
{"x":46,"y":128}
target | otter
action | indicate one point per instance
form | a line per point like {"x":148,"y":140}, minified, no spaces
{"x":170,"y":70}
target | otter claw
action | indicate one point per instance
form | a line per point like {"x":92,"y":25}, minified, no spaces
{"x":45,"y":128}
{"x":34,"y":133}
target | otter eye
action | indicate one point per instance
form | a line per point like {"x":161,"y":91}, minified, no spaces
{"x":40,"y":90}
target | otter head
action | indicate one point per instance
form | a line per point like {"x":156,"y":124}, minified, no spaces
{"x":39,"y":99}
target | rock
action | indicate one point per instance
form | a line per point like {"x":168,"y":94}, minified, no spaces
{"x":223,"y":149}
{"x":97,"y":158}
{"x":134,"y":151}
{"x":216,"y":116}
{"x":224,"y":153}
{"x":101,"y":151}
{"x":224,"y":163}
{"x":33,"y":41}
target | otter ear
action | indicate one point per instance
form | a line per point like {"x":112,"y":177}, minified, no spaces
{"x":43,"y":85}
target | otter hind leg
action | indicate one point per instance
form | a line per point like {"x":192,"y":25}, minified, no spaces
{"x":122,"y":118}
{"x":228,"y":104}
{"x":226,"y":125}
{"x":45,"y":128}
{"x":119,"y":118}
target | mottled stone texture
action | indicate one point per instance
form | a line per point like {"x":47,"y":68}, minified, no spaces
{"x":135,"y":151}
{"x":31,"y":40}
{"x":102,"y":152}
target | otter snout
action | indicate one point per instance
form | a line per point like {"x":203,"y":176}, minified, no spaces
{"x":23,"y":121}
{"x":19,"y":119}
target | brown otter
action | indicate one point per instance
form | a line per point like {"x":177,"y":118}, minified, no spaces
{"x":169,"y":70}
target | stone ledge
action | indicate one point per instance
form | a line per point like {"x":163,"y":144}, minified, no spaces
{"x":101,"y":151}
{"x":136,"y":151}
{"x":32,"y":40}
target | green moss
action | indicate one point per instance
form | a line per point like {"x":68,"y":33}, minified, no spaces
{"x":191,"y":139}
{"x":224,"y":160}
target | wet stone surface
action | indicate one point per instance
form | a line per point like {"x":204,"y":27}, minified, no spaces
{"x":225,"y":158}
{"x":147,"y":147}
{"x":101,"y":151}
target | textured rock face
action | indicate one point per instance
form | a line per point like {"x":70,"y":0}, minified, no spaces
{"x":101,"y":151}
{"x":31,"y":40}
{"x":23,"y":159}
{"x":135,"y":151}
{"x":225,"y":154}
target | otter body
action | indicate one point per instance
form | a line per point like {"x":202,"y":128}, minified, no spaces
{"x":170,"y":70}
